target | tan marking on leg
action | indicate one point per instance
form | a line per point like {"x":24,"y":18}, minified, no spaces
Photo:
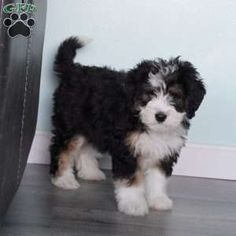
{"x":137,"y":179}
{"x":132,"y":139}
{"x":63,"y":163}
{"x":65,"y":159}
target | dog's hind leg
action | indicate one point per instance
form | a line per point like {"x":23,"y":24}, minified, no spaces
{"x":87,"y":164}
{"x":63,"y":164}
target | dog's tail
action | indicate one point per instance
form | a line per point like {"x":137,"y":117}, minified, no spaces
{"x":65,"y":56}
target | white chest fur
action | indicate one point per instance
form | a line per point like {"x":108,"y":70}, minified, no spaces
{"x":154,"y":146}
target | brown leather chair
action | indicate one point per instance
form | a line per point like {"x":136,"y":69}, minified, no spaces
{"x":21,"y":44}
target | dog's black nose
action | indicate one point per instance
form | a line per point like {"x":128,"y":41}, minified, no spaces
{"x":160,"y":117}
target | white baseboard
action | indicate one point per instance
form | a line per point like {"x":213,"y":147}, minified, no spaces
{"x":39,"y":152}
{"x":195,"y":160}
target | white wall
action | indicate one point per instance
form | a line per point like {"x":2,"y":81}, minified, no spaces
{"x":126,"y":31}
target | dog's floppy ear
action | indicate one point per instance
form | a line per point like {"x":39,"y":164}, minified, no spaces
{"x":194,"y":87}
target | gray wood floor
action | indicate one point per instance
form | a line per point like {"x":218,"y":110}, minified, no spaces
{"x":201,"y":207}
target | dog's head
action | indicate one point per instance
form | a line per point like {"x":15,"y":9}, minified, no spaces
{"x":166,"y":93}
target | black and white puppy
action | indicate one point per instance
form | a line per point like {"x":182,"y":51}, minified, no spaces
{"x":139,"y":117}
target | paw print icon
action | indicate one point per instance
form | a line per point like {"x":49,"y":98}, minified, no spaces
{"x":19,"y":24}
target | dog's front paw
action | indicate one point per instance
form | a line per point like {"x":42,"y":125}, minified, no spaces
{"x":136,"y":206}
{"x":161,"y":203}
{"x":131,"y":199}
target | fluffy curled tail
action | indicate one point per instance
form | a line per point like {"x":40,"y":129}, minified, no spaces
{"x":65,"y":56}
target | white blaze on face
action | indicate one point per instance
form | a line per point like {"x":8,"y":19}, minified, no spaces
{"x":156,"y":80}
{"x":161,"y":103}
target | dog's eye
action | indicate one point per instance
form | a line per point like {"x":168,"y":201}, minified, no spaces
{"x":176,"y":94}
{"x":158,"y":89}
{"x":149,"y":93}
{"x":147,"y":97}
